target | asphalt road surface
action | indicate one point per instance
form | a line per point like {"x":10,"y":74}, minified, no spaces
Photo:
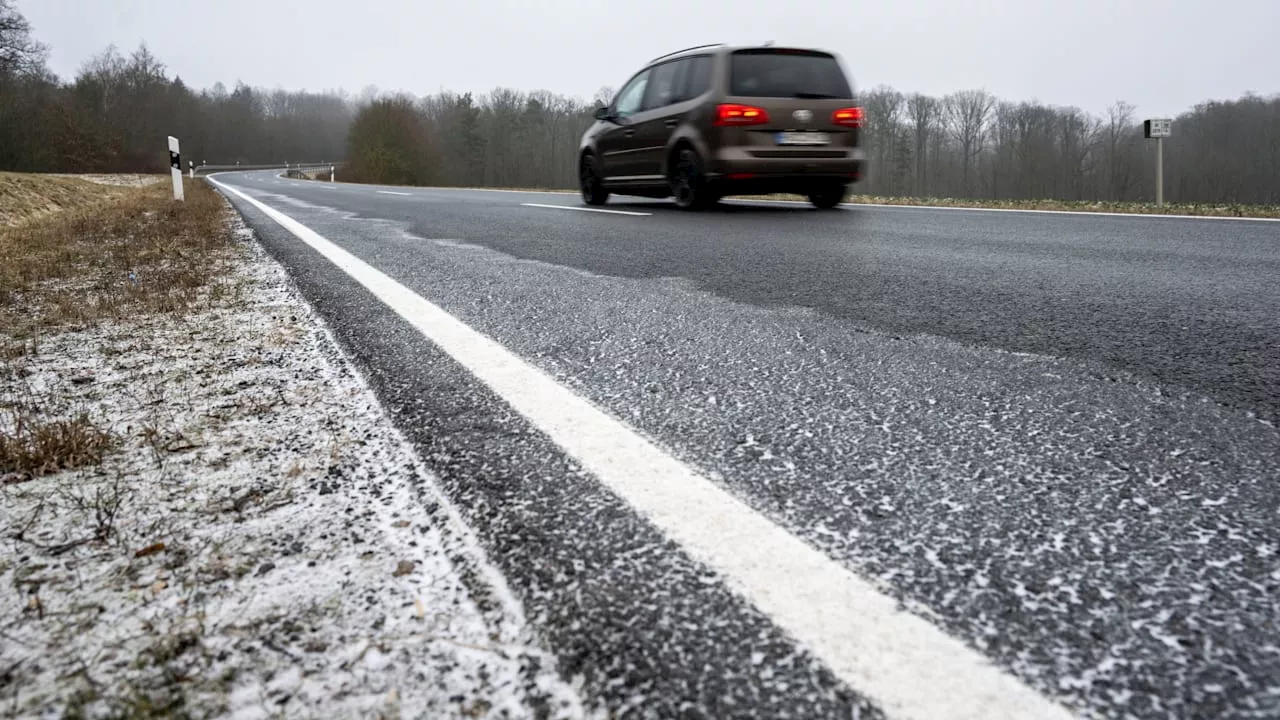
{"x":767,"y":461}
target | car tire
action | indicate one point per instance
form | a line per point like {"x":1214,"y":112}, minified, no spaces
{"x":689,"y":182}
{"x":828,"y":197}
{"x":590,"y":182}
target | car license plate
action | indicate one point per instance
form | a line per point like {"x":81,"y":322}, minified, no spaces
{"x":803,"y":138}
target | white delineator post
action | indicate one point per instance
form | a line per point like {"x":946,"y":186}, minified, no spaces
{"x":191,"y":164}
{"x":331,"y":173}
{"x":175,"y":168}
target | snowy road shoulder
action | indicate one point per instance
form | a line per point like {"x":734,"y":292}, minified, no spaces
{"x":262,"y":540}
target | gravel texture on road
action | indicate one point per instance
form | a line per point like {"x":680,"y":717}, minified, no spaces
{"x":1052,"y":437}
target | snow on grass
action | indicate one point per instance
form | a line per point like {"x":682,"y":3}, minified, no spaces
{"x":122,"y":179}
{"x":261,"y":541}
{"x":26,"y":196}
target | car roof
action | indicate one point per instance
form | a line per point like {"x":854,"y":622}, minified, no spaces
{"x":722,"y":48}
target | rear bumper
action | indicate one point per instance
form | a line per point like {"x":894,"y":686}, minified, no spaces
{"x":766,"y":176}
{"x":750,"y":166}
{"x":776,"y":185}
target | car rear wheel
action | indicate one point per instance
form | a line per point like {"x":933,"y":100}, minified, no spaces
{"x":593,"y":190}
{"x":689,"y":183}
{"x":828,"y":197}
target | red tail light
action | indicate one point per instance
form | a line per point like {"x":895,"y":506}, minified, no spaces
{"x":849,"y":117}
{"x":731,"y":114}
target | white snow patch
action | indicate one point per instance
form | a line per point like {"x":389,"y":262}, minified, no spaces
{"x":309,"y":565}
{"x":125,"y":179}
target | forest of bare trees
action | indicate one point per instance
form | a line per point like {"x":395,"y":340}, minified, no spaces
{"x":114,"y":114}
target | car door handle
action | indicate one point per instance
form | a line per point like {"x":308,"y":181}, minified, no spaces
{"x":672,"y":122}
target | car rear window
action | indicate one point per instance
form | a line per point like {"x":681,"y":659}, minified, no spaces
{"x":787,"y":73}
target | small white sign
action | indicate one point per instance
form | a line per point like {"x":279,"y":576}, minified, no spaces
{"x":1159,"y":127}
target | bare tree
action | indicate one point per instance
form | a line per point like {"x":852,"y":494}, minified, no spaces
{"x":966,"y":115}
{"x":923,"y":111}
{"x":1077,"y":151}
{"x":883,"y":107}
{"x":108,"y":117}
{"x":20,"y":54}
{"x":1119,"y":124}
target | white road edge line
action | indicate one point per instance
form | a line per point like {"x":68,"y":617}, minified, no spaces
{"x":908,"y":667}
{"x":391,"y":192}
{"x":1095,"y":213}
{"x":587,"y":209}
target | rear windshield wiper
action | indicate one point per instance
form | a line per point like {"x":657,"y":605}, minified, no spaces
{"x":812,"y":96}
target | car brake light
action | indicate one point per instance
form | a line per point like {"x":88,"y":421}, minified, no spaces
{"x":849,"y":117}
{"x":731,"y":114}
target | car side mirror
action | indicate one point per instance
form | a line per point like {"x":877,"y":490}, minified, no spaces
{"x":602,"y":113}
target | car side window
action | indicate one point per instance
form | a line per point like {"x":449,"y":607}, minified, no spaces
{"x":664,"y":87}
{"x":697,"y":78}
{"x":630,"y":97}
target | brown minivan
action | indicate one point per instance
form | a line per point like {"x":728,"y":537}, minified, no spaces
{"x":711,"y":121}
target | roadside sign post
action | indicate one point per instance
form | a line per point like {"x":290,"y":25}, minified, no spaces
{"x":1159,"y":129}
{"x":175,"y":168}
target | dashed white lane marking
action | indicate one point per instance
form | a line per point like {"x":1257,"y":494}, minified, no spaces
{"x":908,"y":667}
{"x":884,"y":206}
{"x":391,"y":192}
{"x":587,"y":209}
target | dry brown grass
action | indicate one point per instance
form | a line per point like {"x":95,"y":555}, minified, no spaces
{"x":122,"y":254}
{"x":32,"y":444}
{"x":138,"y":252}
{"x":25,"y":197}
{"x":1132,"y":208}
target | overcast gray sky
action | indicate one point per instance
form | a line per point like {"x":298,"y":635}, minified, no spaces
{"x":1162,"y":56}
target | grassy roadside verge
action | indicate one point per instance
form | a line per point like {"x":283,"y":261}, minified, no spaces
{"x":94,"y":272}
{"x":111,"y":255}
{"x":25,"y":197}
{"x":204,"y":511}
{"x":1134,"y":208}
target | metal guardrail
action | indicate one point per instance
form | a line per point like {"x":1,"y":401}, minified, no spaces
{"x":297,"y":171}
{"x":288,"y":168}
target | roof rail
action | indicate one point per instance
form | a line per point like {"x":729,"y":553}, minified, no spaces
{"x":677,"y":52}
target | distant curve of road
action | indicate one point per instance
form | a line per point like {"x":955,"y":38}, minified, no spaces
{"x":1051,"y":437}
